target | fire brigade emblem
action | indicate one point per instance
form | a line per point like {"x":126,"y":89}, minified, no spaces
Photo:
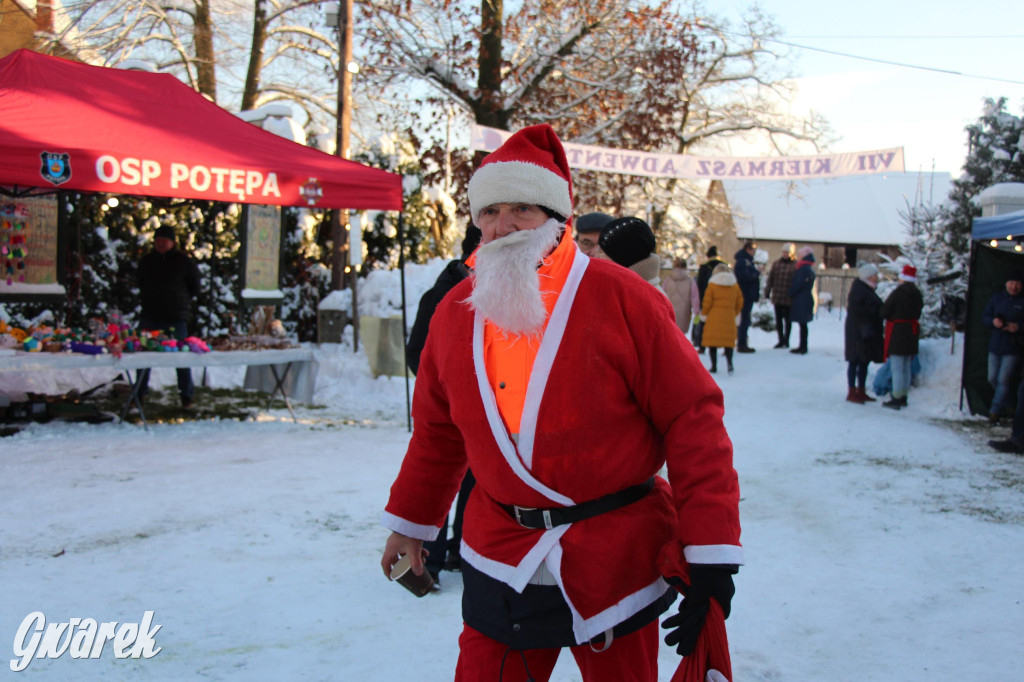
{"x":56,"y":167}
{"x":311,"y":191}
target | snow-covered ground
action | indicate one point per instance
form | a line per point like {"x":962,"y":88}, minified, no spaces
{"x":880,"y":545}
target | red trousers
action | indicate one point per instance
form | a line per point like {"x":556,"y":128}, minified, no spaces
{"x":632,"y":658}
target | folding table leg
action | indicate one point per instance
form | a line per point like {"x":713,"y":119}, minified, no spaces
{"x":279,"y":388}
{"x":134,"y":396}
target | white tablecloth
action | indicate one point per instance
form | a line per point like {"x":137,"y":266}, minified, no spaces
{"x":20,"y":369}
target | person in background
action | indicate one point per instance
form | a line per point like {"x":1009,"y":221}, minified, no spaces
{"x":777,"y":290}
{"x":168,"y":281}
{"x":682,"y":292}
{"x":801,"y":293}
{"x":534,"y":339}
{"x":444,"y":552}
{"x":704,"y":273}
{"x":631,"y":243}
{"x":454,"y":272}
{"x":723,"y":301}
{"x":749,"y":279}
{"x":1004,"y":315}
{"x":588,"y":233}
{"x":901,"y":311}
{"x":1015,"y":443}
{"x":863,"y":332}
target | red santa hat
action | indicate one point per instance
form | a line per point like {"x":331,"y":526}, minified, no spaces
{"x":908,"y":274}
{"x":530,"y":168}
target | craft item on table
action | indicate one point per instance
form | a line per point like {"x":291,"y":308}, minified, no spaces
{"x":8,"y":341}
{"x":87,"y":348}
{"x":196,"y":345}
{"x":31,"y":344}
{"x":18,"y":334}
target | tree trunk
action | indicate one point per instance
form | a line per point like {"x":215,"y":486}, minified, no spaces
{"x":259,"y":37}
{"x":489,"y":110}
{"x":205,"y":59}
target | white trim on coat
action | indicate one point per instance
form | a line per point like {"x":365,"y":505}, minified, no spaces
{"x":586,"y":629}
{"x":714,"y":554}
{"x":546,"y":356}
{"x":516,"y":577}
{"x":408,"y":528}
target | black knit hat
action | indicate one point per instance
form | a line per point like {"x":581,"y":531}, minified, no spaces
{"x":713,"y":252}
{"x":165,"y":231}
{"x":592,"y":222}
{"x":627,"y":241}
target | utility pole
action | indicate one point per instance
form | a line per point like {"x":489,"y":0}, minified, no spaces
{"x":339,"y":221}
{"x":342,"y":273}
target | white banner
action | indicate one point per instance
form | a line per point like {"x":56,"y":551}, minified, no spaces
{"x":654,"y":165}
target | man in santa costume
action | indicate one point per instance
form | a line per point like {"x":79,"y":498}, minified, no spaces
{"x":565,"y":384}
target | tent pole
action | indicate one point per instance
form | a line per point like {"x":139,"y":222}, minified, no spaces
{"x":355,"y":305}
{"x":405,"y":346}
{"x":970,"y":273}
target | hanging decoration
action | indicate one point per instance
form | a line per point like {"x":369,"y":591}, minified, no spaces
{"x":13,"y":241}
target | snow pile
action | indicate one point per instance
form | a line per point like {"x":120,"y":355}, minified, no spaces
{"x":257,"y":543}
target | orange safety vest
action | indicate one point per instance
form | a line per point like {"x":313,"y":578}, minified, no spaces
{"x":509,"y":359}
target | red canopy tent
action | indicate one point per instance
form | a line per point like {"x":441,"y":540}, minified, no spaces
{"x":67,"y":125}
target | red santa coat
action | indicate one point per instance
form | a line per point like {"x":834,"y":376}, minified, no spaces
{"x":616,"y":391}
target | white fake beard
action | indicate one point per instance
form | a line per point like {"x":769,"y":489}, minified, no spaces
{"x":506,"y":287}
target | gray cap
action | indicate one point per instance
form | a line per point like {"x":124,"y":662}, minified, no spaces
{"x":593,"y":222}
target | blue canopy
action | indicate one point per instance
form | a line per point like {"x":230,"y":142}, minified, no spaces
{"x":999,"y":226}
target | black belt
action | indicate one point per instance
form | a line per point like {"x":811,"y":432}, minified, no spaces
{"x":537,"y":519}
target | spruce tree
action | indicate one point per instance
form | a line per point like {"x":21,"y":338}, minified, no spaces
{"x":995,"y":154}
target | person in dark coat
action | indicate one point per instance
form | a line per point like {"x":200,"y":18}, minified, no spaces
{"x":901,"y":312}
{"x":704,"y":273}
{"x":1004,"y":315}
{"x":168,"y":281}
{"x":801,"y":292}
{"x":863,"y":333}
{"x":444,"y":551}
{"x":749,"y":279}
{"x":777,"y":291}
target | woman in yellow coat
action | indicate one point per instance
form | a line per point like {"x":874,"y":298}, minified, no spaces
{"x":723,"y":302}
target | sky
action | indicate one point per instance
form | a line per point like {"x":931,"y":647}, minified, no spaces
{"x":879,"y":545}
{"x":875,"y":106}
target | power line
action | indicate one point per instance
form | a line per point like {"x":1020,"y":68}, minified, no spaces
{"x":893,"y":63}
{"x":910,"y":37}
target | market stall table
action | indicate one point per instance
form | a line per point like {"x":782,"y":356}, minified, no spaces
{"x":280,"y":363}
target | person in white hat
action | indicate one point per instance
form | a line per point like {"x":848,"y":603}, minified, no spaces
{"x":862,"y":334}
{"x":566,"y":386}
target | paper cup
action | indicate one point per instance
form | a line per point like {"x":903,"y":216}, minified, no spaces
{"x":402,"y":573}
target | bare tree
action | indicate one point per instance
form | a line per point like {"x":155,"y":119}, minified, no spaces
{"x":256,"y":50}
{"x":656,"y":76}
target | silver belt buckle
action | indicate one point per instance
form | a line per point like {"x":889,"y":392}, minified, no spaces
{"x":545,"y":514}
{"x":518,"y":509}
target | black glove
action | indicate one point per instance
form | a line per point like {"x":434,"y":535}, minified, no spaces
{"x":706,"y":581}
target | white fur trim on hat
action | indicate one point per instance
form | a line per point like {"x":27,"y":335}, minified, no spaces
{"x":515,"y":182}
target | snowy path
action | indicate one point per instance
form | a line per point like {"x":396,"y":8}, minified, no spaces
{"x":880,"y":545}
